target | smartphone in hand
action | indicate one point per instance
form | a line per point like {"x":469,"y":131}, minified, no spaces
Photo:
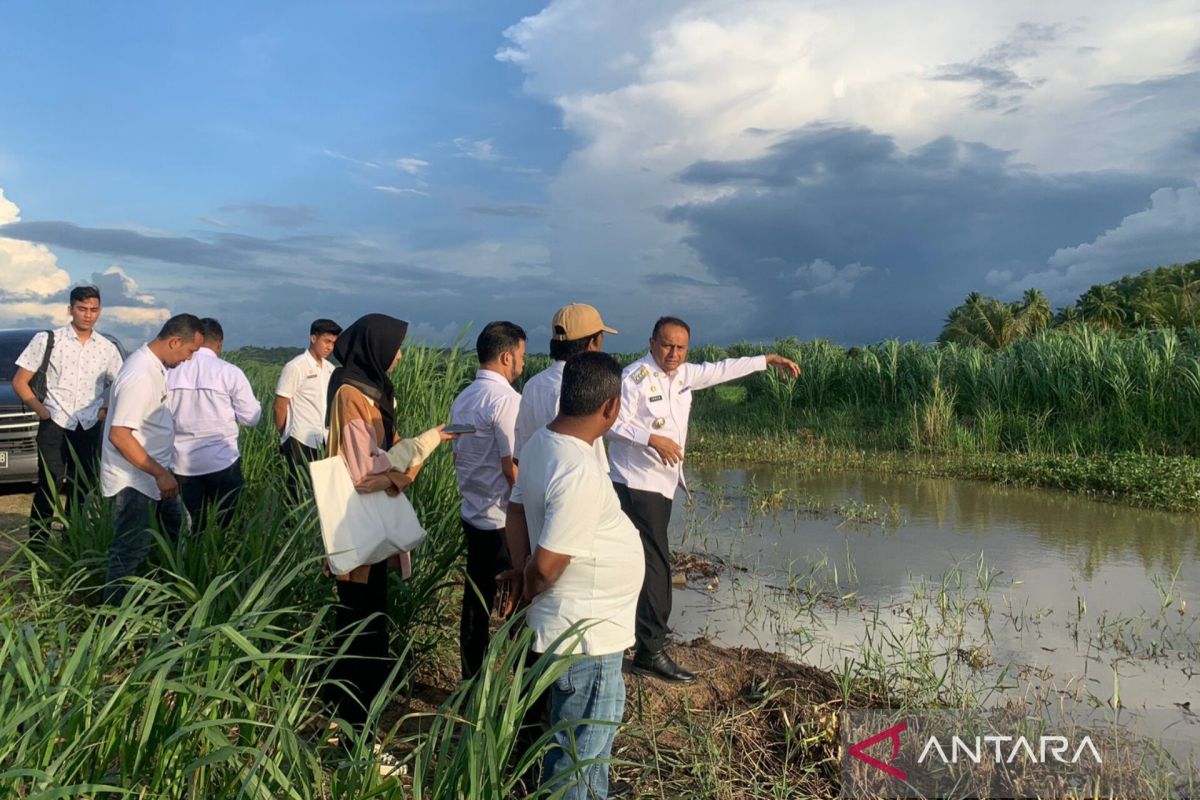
{"x":459,"y":428}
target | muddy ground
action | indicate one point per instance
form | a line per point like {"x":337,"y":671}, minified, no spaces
{"x":752,"y":720}
{"x":14,"y":511}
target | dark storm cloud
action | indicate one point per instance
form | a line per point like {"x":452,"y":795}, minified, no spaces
{"x":667,"y":280}
{"x":508,"y":210}
{"x":838,"y":232}
{"x":225,"y":252}
{"x":296,"y":216}
{"x":1001,"y":86}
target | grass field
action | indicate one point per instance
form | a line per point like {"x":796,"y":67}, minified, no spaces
{"x":205,"y":684}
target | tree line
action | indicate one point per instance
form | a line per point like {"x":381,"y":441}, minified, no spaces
{"x":1162,"y":297}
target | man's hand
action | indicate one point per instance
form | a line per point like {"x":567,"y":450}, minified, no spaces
{"x":168,"y":487}
{"x":510,"y":587}
{"x":101,"y":415}
{"x":785,"y":365}
{"x":668,"y":450}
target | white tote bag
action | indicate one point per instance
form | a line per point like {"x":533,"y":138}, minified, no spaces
{"x":358,"y":528}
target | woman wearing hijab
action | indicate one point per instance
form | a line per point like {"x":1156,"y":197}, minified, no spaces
{"x":362,"y":408}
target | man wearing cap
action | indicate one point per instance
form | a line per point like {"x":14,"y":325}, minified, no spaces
{"x":646,"y":447}
{"x":576,"y":328}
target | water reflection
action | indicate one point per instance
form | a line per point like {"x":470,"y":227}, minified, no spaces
{"x":1078,"y":590}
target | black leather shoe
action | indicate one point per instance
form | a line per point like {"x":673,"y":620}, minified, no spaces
{"x":660,"y":665}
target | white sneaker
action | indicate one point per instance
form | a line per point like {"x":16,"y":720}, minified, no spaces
{"x":389,"y":765}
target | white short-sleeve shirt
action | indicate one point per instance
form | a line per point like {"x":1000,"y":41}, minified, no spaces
{"x":305,"y":383}
{"x":490,"y":404}
{"x":572,"y":509}
{"x":539,"y":407}
{"x":78,"y":376}
{"x":139,"y":401}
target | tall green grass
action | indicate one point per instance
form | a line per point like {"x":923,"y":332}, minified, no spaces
{"x":206,"y":682}
{"x":1078,"y":391}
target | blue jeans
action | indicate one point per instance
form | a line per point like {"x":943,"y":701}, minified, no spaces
{"x":593,"y":689}
{"x":132,"y":537}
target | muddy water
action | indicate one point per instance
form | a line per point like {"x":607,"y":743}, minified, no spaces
{"x":1025,"y":590}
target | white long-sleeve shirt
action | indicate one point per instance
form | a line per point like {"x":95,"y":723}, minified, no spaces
{"x":208,"y":399}
{"x":490,"y":404}
{"x":653,"y":402}
{"x":539,"y":407}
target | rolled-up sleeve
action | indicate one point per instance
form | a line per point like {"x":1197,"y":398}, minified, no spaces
{"x":504,"y":425}
{"x":361,"y":453}
{"x":246,"y":408}
{"x":627,"y":426}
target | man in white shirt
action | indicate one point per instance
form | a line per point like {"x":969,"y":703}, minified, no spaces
{"x":209,"y":399}
{"x":486,"y":472}
{"x":81,"y":367}
{"x":576,"y":328}
{"x":300,"y":397}
{"x":139,"y":442}
{"x":577,"y":561}
{"x":646,"y":447}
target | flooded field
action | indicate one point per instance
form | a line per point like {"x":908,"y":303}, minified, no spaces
{"x":969,"y":592}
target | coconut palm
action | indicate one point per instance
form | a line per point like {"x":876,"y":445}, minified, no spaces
{"x":1035,"y":309}
{"x":1103,"y":306}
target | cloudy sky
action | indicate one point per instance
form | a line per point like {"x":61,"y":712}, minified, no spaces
{"x":822,"y":169}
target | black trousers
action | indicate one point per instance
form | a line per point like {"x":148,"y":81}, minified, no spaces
{"x":217,"y":491}
{"x":487,"y":555}
{"x":299,"y":454}
{"x":650,"y":513}
{"x":364,"y":667}
{"x":72,"y":458}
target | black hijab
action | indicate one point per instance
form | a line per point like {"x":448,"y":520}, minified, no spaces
{"x":365,"y":351}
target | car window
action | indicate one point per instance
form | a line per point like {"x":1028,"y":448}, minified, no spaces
{"x":10,"y":349}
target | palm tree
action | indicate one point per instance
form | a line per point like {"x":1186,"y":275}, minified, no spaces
{"x":1103,"y":307}
{"x":985,"y":322}
{"x":1035,"y":311}
{"x":1067,"y":315}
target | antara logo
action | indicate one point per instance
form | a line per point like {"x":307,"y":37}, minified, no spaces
{"x":1048,"y":747}
{"x":858,"y":750}
{"x":1001,"y":749}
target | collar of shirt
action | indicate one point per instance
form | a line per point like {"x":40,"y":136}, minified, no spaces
{"x":493,"y":377}
{"x":162,"y":368}
{"x":94,"y":336}
{"x":323,"y":366}
{"x":649,"y":361}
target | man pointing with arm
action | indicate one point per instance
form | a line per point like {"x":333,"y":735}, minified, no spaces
{"x":646,"y":451}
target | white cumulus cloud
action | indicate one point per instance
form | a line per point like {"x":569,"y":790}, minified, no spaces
{"x":1167,"y":232}
{"x":35,"y":287}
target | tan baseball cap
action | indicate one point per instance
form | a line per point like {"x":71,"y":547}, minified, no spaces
{"x":577,"y":321}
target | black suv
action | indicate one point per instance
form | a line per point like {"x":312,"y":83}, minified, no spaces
{"x":18,"y":425}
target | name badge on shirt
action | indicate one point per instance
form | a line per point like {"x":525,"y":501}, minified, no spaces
{"x":656,"y":398}
{"x":684,"y":389}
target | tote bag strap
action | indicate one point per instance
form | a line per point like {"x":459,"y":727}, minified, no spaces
{"x":335,"y":425}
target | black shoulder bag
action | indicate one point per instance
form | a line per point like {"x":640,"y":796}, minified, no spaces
{"x":38,"y":382}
